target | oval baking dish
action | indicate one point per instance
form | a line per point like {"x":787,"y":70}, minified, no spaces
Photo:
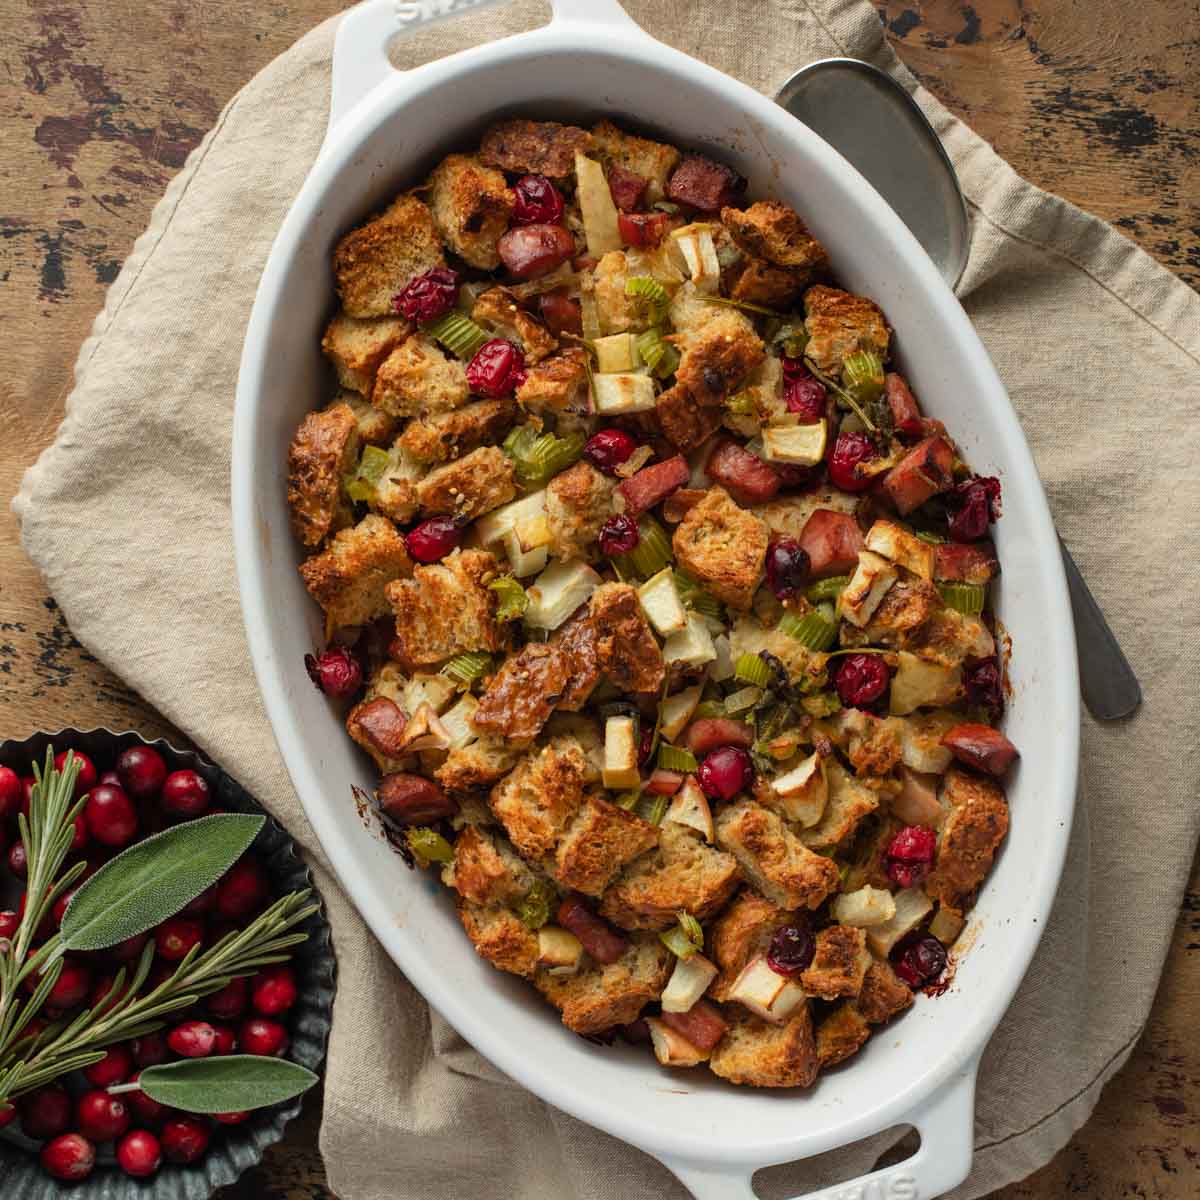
{"x":386,"y":128}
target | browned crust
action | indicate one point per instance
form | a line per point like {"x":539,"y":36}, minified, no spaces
{"x":350,"y":578}
{"x":499,"y":936}
{"x":840,"y":323}
{"x":524,"y":692}
{"x":598,"y":843}
{"x":718,"y":357}
{"x":497,"y":309}
{"x":625,"y":645}
{"x":576,"y":639}
{"x":534,"y":147}
{"x":471,"y":205}
{"x":685,"y":423}
{"x":723,"y":546}
{"x":841,"y":1035}
{"x":758,"y":282}
{"x":774,"y":231}
{"x":324,"y":448}
{"x":469,"y":486}
{"x":883,"y":994}
{"x":445,"y":436}
{"x":537,"y":800}
{"x":743,"y":931}
{"x":839,"y":964}
{"x":977,"y":824}
{"x":482,"y":873}
{"x":759,"y":1054}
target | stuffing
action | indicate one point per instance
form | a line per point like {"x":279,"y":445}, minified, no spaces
{"x":718,"y":356}
{"x":743,"y":931}
{"x":375,"y":427}
{"x":902,"y":612}
{"x":749,"y":636}
{"x":350,"y":579}
{"x":760,"y":1054}
{"x":754,"y":281}
{"x":536,"y":801}
{"x":600,"y":840}
{"x":469,"y":486}
{"x":686,"y":424}
{"x":477,"y":765}
{"x":558,"y":386}
{"x":653,"y":161}
{"x":875,"y":749}
{"x":684,"y":872}
{"x":973,"y":829}
{"x":471,"y":204}
{"x":724,"y":547}
{"x":375,"y":261}
{"x":772,"y":231}
{"x":617,"y":311}
{"x":788,"y":515}
{"x":949,"y":638}
{"x":356,"y":347}
{"x":773,"y":859}
{"x":534,"y":147}
{"x":323,"y":450}
{"x":598,"y":997}
{"x":497,"y":311}
{"x":883,"y":993}
{"x":839,"y":323}
{"x":576,"y":639}
{"x":395,"y":495}
{"x":690,"y":311}
{"x":498,"y":935}
{"x":841,"y":1035}
{"x":839,"y":964}
{"x":578,"y":502}
{"x":417,"y":378}
{"x":377,"y":724}
{"x":486,"y":870}
{"x":446,"y":608}
{"x":625,"y":645}
{"x":523,"y":693}
{"x":588,"y":733}
{"x":444,"y":436}
{"x":849,"y":802}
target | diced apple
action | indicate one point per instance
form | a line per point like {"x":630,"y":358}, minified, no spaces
{"x":435,"y":690}
{"x":692,"y":646}
{"x":695,"y":243}
{"x":921,"y":741}
{"x":661,"y":603}
{"x":801,"y":445}
{"x":690,"y":807}
{"x":916,"y":803}
{"x":866,"y":907}
{"x":912,"y":907}
{"x":600,"y":225}
{"x":802,"y":792}
{"x":671,"y":1048}
{"x":621,"y":753}
{"x":946,"y":925}
{"x":677,"y":712}
{"x":723,"y":665}
{"x":557,"y":592}
{"x":424,"y":731}
{"x":867,"y":587}
{"x":492,"y":527}
{"x":921,"y":684}
{"x":616,"y":352}
{"x":766,"y":993}
{"x":623,"y":393}
{"x":457,"y":722}
{"x":559,"y":950}
{"x":524,"y":562}
{"x":689,"y":981}
{"x":898,"y":544}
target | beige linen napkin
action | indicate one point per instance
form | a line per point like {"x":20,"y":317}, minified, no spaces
{"x":1099,"y":347}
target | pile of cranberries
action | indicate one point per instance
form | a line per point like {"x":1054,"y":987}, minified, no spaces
{"x":72,"y":1117}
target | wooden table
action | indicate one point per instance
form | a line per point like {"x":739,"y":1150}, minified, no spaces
{"x":100,"y":102}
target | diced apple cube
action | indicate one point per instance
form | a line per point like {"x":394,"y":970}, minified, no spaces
{"x":802,"y":445}
{"x":557,"y":592}
{"x":524,"y":562}
{"x":692,"y":646}
{"x":946,"y":925}
{"x":661,"y":603}
{"x":424,"y":731}
{"x":723,"y":665}
{"x":689,"y":981}
{"x":677,"y":711}
{"x":912,"y":907}
{"x":896,"y":543}
{"x":492,"y":527}
{"x":457,"y":722}
{"x":766,"y":993}
{"x":921,"y":684}
{"x":623,"y":393}
{"x":672,"y":1049}
{"x":921,"y":740}
{"x":803,"y":791}
{"x":435,"y":690}
{"x":868,"y":585}
{"x":621,"y":753}
{"x":616,"y":352}
{"x":695,"y":243}
{"x":559,"y":950}
{"x":864,"y":908}
{"x":690,"y":807}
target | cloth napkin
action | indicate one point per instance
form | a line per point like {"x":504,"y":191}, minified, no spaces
{"x":1099,"y":347}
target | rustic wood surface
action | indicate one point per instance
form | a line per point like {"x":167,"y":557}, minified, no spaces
{"x":100,"y":102}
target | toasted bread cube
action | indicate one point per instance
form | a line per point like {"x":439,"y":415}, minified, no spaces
{"x":446,"y":608}
{"x":848,"y":804}
{"x":324,"y":449}
{"x":598,"y":843}
{"x":971,"y":833}
{"x":689,"y":807}
{"x":755,"y":281}
{"x":537,"y":800}
{"x":486,"y":869}
{"x":773,"y":231}
{"x":423,"y":688}
{"x":839,"y":964}
{"x":760,"y":1054}
{"x":395,"y":495}
{"x":863,"y":908}
{"x":356,"y":347}
{"x":912,"y":907}
{"x":498,"y":312}
{"x":670,"y":1047}
{"x":896,"y":543}
{"x":621,"y":753}
{"x":417,"y":378}
{"x":534,"y":147}
{"x":375,"y":427}
{"x":578,"y":502}
{"x":677,"y":711}
{"x":558,"y":385}
{"x":374,"y":262}
{"x":477,"y":765}
{"x":841,"y":1035}
{"x":742,"y":932}
{"x":773,"y":858}
{"x":838,"y":324}
{"x":692,"y":646}
{"x":440,"y":437}
{"x":350,"y":579}
{"x":919,"y":683}
{"x":718,"y":356}
{"x":867,"y":587}
{"x":949,"y":637}
{"x":499,"y":936}
{"x":470,"y":486}
{"x":883,"y":994}
{"x":801,"y":793}
{"x":522,"y":694}
{"x":471,"y":204}
{"x":625,"y":645}
{"x":765,"y":992}
{"x":559,"y":950}
{"x":724,"y":547}
{"x":653,"y":161}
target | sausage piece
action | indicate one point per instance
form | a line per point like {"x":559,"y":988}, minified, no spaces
{"x":744,"y":476}
{"x":529,"y":251}
{"x":702,"y":1024}
{"x":926,"y":470}
{"x":982,"y":747}
{"x":832,"y":541}
{"x":413,"y":799}
{"x":627,"y":188}
{"x":704,"y":184}
{"x":595,"y":934}
{"x":651,"y":485}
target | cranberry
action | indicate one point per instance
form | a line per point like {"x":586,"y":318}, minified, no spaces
{"x":100,"y":1116}
{"x":86,"y":779}
{"x":849,"y":451}
{"x":230,"y":1002}
{"x":230,"y":1118}
{"x":607,"y":449}
{"x":184,"y":1139}
{"x":428,"y":296}
{"x":128,"y":950}
{"x":115,"y":1067}
{"x":805,"y":395}
{"x":9,"y":923}
{"x":973,"y":505}
{"x":111,"y":818}
{"x":643,"y":229}
{"x":985,"y":688}
{"x":192,"y":1039}
{"x":538,"y":201}
{"x":149,"y":1050}
{"x":111,"y":778}
{"x":274,"y":990}
{"x":45,"y":1113}
{"x":176,"y":936}
{"x":8,"y":1113}
{"x":139,"y":1154}
{"x":224,"y":1039}
{"x":792,"y":949}
{"x":70,"y":988}
{"x":147,"y":1110}
{"x":141,"y":770}
{"x":260,"y":1036}
{"x":337,"y":672}
{"x":919,"y":959}
{"x":618,"y":535}
{"x":497,"y":368}
{"x":185,"y":794}
{"x":725,"y":772}
{"x":432,"y":540}
{"x":69,"y":1157}
{"x":79,"y":835}
{"x":18,"y":862}
{"x":909,"y":855}
{"x":10,"y":793}
{"x":787,"y":567}
{"x":203,"y":903}
{"x":243,"y":890}
{"x":59,"y":910}
{"x":862,"y":679}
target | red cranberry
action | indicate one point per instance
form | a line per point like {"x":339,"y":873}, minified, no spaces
{"x":8,"y":1113}
{"x":149,"y":1050}
{"x":497,"y":369}
{"x":139,"y":1154}
{"x":805,"y":396}
{"x":46,"y":1112}
{"x":147,"y":1110}
{"x":10,"y":793}
{"x":111,"y":817}
{"x":985,"y":688}
{"x":787,"y":567}
{"x":18,"y":863}
{"x":538,"y":201}
{"x":909,"y":855}
{"x":79,"y":837}
{"x":60,"y":905}
{"x":862,"y":679}
{"x":86,"y":779}
{"x":791,"y":950}
{"x":274,"y":990}
{"x":141,"y":770}
{"x":70,"y":989}
{"x":176,"y":936}
{"x":203,"y":903}
{"x":9,"y":923}
{"x":111,"y":778}
{"x":919,"y":959}
{"x":725,"y":772}
{"x":115,"y":1067}
{"x":337,"y":672}
{"x":230,"y":1118}
{"x":432,"y":540}
{"x":849,"y":451}
{"x":184,"y":1139}
{"x":260,"y":1036}
{"x":607,"y":449}
{"x":242,"y":890}
{"x":192,"y":1039}
{"x":230,"y":1002}
{"x":28,"y":783}
{"x":69,"y":1157}
{"x":618,"y":535}
{"x":973,"y":505}
{"x":129,"y":950}
{"x":224,"y":1039}
{"x":428,"y":296}
{"x":100,"y":1116}
{"x":185,"y":794}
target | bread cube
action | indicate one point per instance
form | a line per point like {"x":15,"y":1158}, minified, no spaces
{"x":471,"y":204}
{"x":349,"y":580}
{"x":324,"y":450}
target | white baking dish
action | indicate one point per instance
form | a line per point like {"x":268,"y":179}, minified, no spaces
{"x":386,"y":129}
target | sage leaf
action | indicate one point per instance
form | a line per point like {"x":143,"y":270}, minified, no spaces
{"x":231,"y":1083}
{"x":155,"y":878}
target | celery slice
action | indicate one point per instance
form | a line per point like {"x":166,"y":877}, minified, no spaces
{"x":862,"y":375}
{"x":741,"y":404}
{"x":822,"y":704}
{"x":684,"y":938}
{"x":741,"y":700}
{"x":792,"y":339}
{"x":428,"y":846}
{"x":652,"y":808}
{"x":812,"y":630}
{"x":627,"y":800}
{"x":649,"y":296}
{"x":537,"y":458}
{"x":966,"y":598}
{"x":468,"y":667}
{"x":676,"y":758}
{"x":459,"y":334}
{"x":660,"y":356}
{"x":751,"y":669}
{"x":534,"y":909}
{"x":934,"y":539}
{"x":709,"y":708}
{"x":827,"y":589}
{"x":652,"y":553}
{"x":373,"y":463}
{"x":514,"y":600}
{"x":695,"y":597}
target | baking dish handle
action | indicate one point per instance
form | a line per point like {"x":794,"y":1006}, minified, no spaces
{"x":946,"y":1125}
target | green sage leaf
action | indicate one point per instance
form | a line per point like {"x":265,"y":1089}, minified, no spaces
{"x":155,"y":878}
{"x":231,"y":1083}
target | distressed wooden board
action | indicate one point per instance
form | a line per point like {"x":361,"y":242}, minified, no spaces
{"x":100,"y":103}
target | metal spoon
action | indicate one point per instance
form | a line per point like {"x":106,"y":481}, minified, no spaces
{"x":877,"y":126}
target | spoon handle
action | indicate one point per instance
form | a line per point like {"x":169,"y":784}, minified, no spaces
{"x":1110,"y":688}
